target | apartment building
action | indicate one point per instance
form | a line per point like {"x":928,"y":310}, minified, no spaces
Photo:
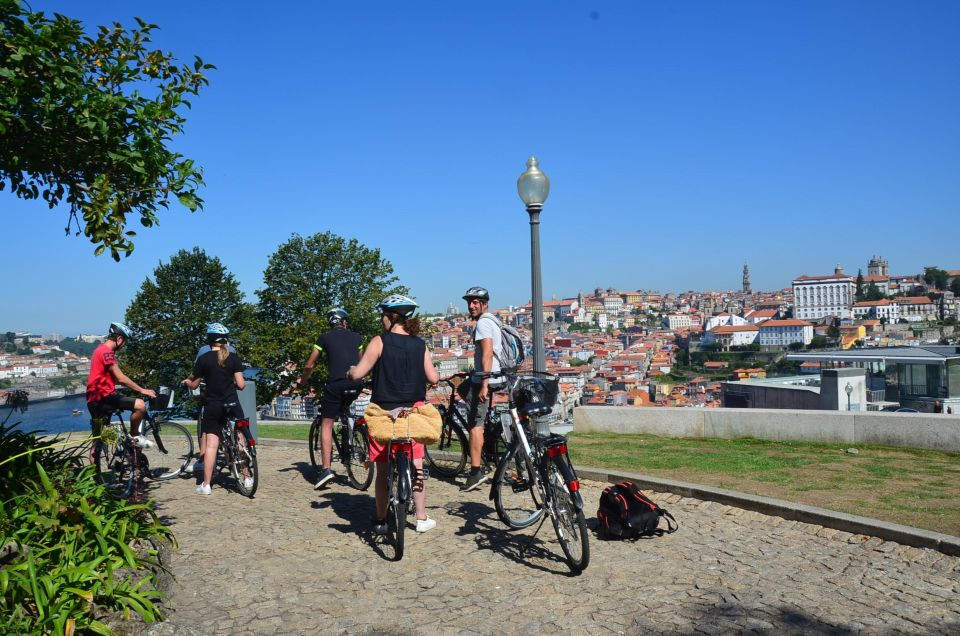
{"x":783,"y":333}
{"x":816,"y":297}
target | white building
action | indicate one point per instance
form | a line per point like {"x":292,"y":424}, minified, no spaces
{"x":816,"y":297}
{"x":916,"y":308}
{"x":877,"y":309}
{"x":783,"y":333}
{"x":723,"y":319}
{"x":677,"y":321}
{"x":731,"y":335}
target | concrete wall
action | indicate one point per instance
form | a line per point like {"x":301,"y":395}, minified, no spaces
{"x":911,"y":430}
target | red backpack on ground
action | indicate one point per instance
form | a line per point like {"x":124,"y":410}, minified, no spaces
{"x":626,"y":513}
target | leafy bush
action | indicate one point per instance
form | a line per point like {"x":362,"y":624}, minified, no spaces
{"x":71,"y":553}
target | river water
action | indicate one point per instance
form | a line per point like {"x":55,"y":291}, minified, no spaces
{"x":54,"y":416}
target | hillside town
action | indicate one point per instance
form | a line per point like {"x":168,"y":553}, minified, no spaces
{"x":643,"y":348}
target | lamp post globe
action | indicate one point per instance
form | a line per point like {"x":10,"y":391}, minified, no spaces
{"x":849,"y":390}
{"x":533,"y":186}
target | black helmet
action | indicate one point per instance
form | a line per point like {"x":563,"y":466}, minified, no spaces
{"x":477,"y":292}
{"x":336,"y":316}
{"x":120,"y":329}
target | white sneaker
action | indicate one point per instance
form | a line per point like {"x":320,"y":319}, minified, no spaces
{"x":424,"y":525}
{"x":248,"y":482}
{"x":141,"y":442}
{"x":203,"y":489}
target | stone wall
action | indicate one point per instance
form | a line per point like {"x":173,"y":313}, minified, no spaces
{"x":911,"y":430}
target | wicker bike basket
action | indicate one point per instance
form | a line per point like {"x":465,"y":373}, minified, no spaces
{"x":421,"y":423}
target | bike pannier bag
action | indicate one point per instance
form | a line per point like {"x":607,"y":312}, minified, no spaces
{"x":626,"y":513}
{"x":421,"y":422}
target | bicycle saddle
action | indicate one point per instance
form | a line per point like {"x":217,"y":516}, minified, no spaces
{"x":535,"y":409}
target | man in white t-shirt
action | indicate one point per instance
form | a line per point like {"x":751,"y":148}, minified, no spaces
{"x":478,"y":393}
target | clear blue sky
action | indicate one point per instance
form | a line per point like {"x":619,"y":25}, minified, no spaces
{"x":682,"y":139}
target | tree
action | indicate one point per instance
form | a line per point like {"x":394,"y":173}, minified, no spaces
{"x":873,"y":292}
{"x":86,"y":121}
{"x":169,"y":315}
{"x":304,"y":279}
{"x":858,"y":294}
{"x":955,"y":286}
{"x":936,"y":277}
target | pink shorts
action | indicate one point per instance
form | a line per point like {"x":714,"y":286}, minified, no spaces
{"x":378,"y":451}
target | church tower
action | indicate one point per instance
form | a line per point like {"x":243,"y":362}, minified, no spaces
{"x":746,"y":279}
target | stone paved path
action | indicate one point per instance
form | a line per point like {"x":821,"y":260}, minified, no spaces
{"x":298,"y":561}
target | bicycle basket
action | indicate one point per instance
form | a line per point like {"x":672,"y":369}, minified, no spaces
{"x":164,"y":399}
{"x":359,"y":406}
{"x":535,"y":390}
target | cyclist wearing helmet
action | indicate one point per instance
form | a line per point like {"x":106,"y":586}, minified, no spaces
{"x":478,"y":393}
{"x":102,"y":382}
{"x":222,"y":371}
{"x":215,"y":330}
{"x":342,"y":347}
{"x":402,"y":366}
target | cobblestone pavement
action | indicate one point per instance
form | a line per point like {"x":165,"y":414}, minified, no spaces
{"x":298,"y":561}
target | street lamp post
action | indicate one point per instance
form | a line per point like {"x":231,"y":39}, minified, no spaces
{"x":533,"y":186}
{"x":849,"y":390}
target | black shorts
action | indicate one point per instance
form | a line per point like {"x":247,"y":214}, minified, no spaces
{"x":101,"y":410}
{"x":215,"y":414}
{"x":332,"y":401}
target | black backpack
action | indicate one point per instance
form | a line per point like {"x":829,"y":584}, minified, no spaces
{"x":626,"y":513}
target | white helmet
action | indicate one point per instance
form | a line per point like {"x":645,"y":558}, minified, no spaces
{"x":399,"y":304}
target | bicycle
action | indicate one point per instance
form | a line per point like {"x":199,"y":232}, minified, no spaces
{"x":448,"y":456}
{"x":535,"y":477}
{"x":238,"y":453}
{"x":350,"y":440}
{"x":402,"y":478}
{"x":121,"y":465}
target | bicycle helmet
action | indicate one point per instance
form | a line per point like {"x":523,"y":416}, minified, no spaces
{"x":399,"y":304}
{"x":217,"y":329}
{"x":336,"y":316}
{"x":477,"y":292}
{"x":120,"y":329}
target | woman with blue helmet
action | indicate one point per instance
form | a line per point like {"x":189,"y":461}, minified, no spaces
{"x":402,"y":367}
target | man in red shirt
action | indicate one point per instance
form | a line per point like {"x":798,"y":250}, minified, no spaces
{"x":102,"y":382}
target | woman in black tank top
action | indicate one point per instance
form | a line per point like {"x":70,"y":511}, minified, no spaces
{"x":402,"y":367}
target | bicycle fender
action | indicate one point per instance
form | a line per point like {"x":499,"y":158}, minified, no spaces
{"x":563,"y":465}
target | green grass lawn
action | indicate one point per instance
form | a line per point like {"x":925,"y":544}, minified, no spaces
{"x":909,"y":486}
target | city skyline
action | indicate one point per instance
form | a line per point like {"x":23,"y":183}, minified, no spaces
{"x":681,"y":142}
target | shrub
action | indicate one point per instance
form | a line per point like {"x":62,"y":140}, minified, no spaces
{"x":73,"y":553}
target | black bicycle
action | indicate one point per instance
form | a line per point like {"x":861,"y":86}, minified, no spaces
{"x":535,"y":475}
{"x":448,"y":456}
{"x":237,"y":453}
{"x":402,"y":478}
{"x":350,"y":440}
{"x":122,"y":465}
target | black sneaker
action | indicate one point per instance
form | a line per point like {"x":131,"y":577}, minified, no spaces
{"x":326,"y":476}
{"x":379,"y":526}
{"x":474,"y":481}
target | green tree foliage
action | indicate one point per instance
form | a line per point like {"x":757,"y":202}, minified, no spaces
{"x":858,"y":293}
{"x":305,"y":278}
{"x":86,"y":120}
{"x":955,"y":286}
{"x":936,"y":277}
{"x":873,"y":293}
{"x":78,"y":347}
{"x":169,"y":315}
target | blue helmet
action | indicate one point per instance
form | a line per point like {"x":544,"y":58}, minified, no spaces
{"x":120,"y":329}
{"x":398,"y":304}
{"x":217,"y":329}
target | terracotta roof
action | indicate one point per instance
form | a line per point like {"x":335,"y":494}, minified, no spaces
{"x":913,"y":300}
{"x":873,"y":303}
{"x":825,"y":277}
{"x":733,"y":329}
{"x":773,"y":324}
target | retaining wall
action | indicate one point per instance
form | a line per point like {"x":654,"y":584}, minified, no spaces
{"x":911,"y":430}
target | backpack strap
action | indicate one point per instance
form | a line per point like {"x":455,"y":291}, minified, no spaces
{"x":499,"y":324}
{"x":672,"y":524}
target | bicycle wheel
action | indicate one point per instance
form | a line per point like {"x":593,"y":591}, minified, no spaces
{"x":515,"y":494}
{"x":359,"y":467}
{"x":177,"y":441}
{"x":397,"y":518}
{"x":568,"y":521}
{"x":115,"y":468}
{"x":448,"y":456}
{"x":314,"y":442}
{"x":244,"y":467}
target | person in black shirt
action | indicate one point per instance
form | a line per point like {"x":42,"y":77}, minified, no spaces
{"x":223,"y":373}
{"x":402,"y":367}
{"x":342,"y":347}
